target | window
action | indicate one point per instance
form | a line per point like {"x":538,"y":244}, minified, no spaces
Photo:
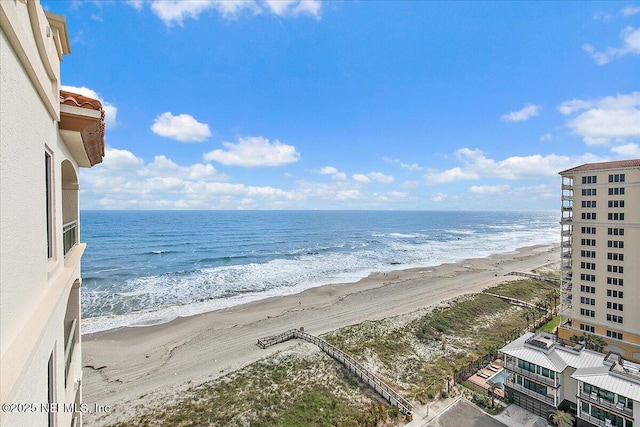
{"x":615,"y":216}
{"x":588,"y":242}
{"x":616,"y":203}
{"x":589,"y":179}
{"x":617,"y":178}
{"x":588,"y":230}
{"x":589,"y":192}
{"x":588,"y":313}
{"x":588,"y":289}
{"x":614,"y":244}
{"x":588,"y":301}
{"x":615,"y":256}
{"x":588,"y":254}
{"x":614,"y":306}
{"x":51,"y":389}
{"x":588,"y":215}
{"x":615,"y":294}
{"x":617,"y":191}
{"x":615,"y":231}
{"x":587,"y":328}
{"x":48,"y":182}
{"x":613,"y":334}
{"x":588,"y":203}
{"x":615,"y":268}
{"x":615,"y":281}
{"x":588,"y":265}
{"x":614,"y":318}
{"x":588,"y":277}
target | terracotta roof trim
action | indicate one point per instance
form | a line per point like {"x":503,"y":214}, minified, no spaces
{"x":93,"y":144}
{"x":604,"y":165}
{"x":77,"y":100}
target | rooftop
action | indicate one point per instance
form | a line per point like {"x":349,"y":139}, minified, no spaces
{"x":634,"y":163}
{"x":610,"y":372}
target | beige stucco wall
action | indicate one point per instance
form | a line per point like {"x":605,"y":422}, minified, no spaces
{"x":631,"y":224}
{"x":34,"y":290}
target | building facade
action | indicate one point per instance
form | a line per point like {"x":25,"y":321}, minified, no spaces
{"x":45,"y":137}
{"x":600,"y":252}
{"x":544,"y":375}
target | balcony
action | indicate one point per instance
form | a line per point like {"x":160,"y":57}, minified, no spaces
{"x":537,"y":377}
{"x":596,"y":421}
{"x":69,"y":235}
{"x":549,"y":400}
{"x":615,"y":407}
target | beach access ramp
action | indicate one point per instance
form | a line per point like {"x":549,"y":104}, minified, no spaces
{"x":372,"y":380}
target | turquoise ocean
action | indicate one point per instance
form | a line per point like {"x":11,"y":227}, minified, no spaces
{"x":147,"y":267}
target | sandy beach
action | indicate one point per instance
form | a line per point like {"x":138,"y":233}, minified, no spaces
{"x":125,"y":367}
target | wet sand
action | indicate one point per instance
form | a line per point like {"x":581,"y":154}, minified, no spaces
{"x":125,"y":367}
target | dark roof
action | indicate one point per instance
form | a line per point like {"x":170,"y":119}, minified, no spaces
{"x":604,"y":165}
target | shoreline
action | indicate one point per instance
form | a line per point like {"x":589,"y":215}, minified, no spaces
{"x":125,"y":366}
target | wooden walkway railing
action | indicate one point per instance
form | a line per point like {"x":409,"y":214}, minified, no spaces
{"x":534,"y":276}
{"x":372,"y":380}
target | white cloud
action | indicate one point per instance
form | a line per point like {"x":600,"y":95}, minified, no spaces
{"x":601,"y":121}
{"x":124,"y":180}
{"x":439,"y":197}
{"x":175,"y":12}
{"x":630,"y":11}
{"x":361,"y":178}
{"x":254,"y":151}
{"x":489,"y":189}
{"x":328,"y":170}
{"x":631,"y":150}
{"x":182,"y":127}
{"x":547,"y":137}
{"x":110,"y":110}
{"x":381,"y":178}
{"x":414,"y":167}
{"x":294,"y":7}
{"x":630,"y":46}
{"x":528,"y":111}
{"x":476,"y":165}
{"x":450,"y":175}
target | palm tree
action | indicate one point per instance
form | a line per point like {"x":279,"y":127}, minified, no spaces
{"x":553,"y":296}
{"x":561,"y":418}
{"x":597,"y":344}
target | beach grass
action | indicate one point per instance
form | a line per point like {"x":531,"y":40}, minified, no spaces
{"x":301,"y":386}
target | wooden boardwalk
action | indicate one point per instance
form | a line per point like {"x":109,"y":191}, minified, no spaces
{"x":372,"y":380}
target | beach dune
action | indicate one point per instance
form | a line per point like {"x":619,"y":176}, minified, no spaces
{"x":125,"y":367}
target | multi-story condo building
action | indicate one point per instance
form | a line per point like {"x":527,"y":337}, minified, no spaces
{"x":600,"y":259}
{"x":544,"y":375}
{"x":45,"y":136}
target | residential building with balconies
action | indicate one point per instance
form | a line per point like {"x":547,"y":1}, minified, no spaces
{"x":600,"y":249}
{"x":45,"y":137}
{"x":544,"y":375}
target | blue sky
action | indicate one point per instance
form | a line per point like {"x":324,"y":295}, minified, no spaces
{"x":352,"y":104}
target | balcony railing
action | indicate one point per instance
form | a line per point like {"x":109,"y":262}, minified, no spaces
{"x":596,"y":421}
{"x":542,"y":397}
{"x":69,"y":235}
{"x":537,"y":377}
{"x":616,"y":407}
{"x":68,"y":349}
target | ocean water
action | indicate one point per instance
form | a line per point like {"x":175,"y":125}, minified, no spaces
{"x":147,"y":267}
